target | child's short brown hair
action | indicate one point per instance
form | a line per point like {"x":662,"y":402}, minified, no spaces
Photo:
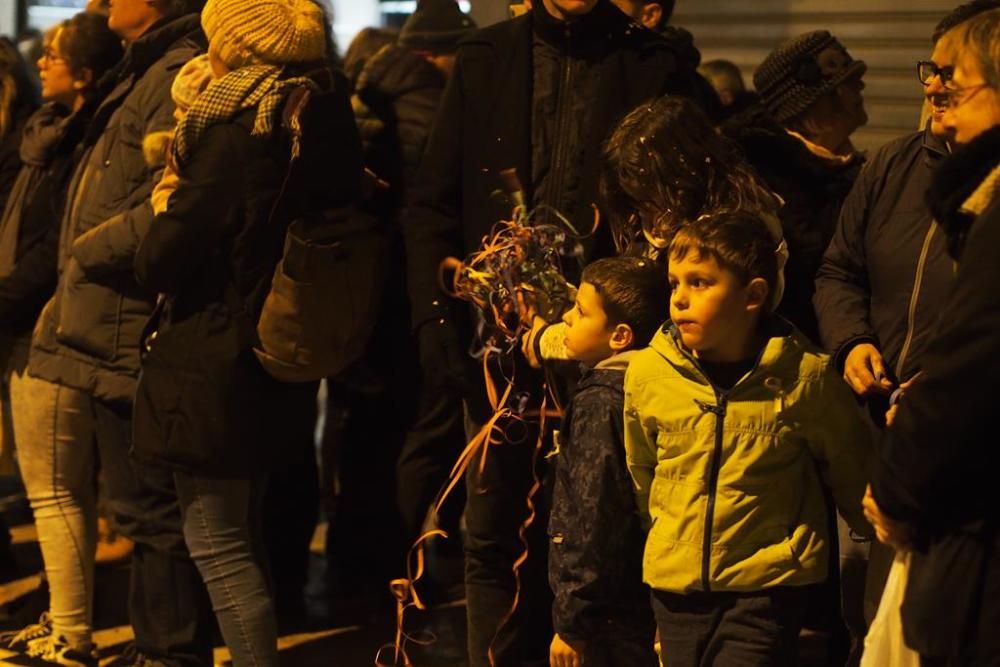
{"x":740,"y":241}
{"x":633,"y":291}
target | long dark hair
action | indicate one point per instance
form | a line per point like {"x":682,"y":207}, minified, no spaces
{"x":86,"y":42}
{"x":16,"y":89}
{"x":665,"y":158}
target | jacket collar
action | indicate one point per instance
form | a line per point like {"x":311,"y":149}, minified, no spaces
{"x":150,"y":47}
{"x":935,"y":146}
{"x":584,"y":31}
{"x":781,"y":341}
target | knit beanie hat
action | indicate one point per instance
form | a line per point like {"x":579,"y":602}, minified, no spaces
{"x":271,"y":32}
{"x":189,"y":83}
{"x":436,"y":26}
{"x":801,"y":71}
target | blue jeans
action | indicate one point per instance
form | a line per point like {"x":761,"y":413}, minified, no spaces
{"x":54,"y":428}
{"x":168,"y":606}
{"x":222,"y":530}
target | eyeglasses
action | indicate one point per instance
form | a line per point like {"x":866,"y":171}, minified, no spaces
{"x":928,"y":69}
{"x":49,"y":56}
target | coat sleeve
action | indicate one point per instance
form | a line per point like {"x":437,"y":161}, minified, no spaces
{"x":182,"y":237}
{"x":843,"y":293}
{"x":593,"y":489}
{"x":944,"y":433}
{"x":111,"y":245}
{"x":841,"y":444}
{"x":24,"y":292}
{"x":431,"y":226}
{"x":640,"y":450}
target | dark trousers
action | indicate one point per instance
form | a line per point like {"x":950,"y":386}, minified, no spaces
{"x":730,"y":629}
{"x":495,"y":509}
{"x":632,"y":652}
{"x":169,"y":608}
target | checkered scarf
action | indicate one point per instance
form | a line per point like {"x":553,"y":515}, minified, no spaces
{"x":258,"y":86}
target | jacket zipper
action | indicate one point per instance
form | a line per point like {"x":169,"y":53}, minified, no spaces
{"x":719,"y":410}
{"x":559,"y":149}
{"x":914,"y":299}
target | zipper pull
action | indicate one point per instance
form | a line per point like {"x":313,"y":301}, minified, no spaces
{"x":774,"y":384}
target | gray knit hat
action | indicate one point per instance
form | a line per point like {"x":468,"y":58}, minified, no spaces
{"x":436,"y":26}
{"x":801,"y":71}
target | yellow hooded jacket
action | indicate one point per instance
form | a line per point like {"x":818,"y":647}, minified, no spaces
{"x":731,"y":480}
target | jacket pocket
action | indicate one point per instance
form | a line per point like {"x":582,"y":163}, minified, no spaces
{"x":89,"y":315}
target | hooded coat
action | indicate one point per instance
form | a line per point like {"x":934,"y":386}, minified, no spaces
{"x":731,"y":479}
{"x":88,"y":334}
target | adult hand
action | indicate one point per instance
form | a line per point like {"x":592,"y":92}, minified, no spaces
{"x":528,"y":341}
{"x":864,"y":370}
{"x":888,"y":531}
{"x":564,"y":653}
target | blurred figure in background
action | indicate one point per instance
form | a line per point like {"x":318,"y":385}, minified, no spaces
{"x":727,"y":80}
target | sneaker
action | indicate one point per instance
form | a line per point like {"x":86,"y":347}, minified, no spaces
{"x":55,"y":651}
{"x":18,"y":640}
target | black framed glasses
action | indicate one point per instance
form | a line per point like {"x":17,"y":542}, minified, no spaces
{"x":928,"y":69}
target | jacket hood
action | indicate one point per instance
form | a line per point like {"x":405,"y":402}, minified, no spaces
{"x":783,"y":342}
{"x":42,"y":134}
{"x":150,"y":47}
{"x":958,"y":178}
{"x":607,"y":373}
{"x":393,"y":71}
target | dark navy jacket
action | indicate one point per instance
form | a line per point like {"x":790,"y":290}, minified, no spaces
{"x":596,"y":540}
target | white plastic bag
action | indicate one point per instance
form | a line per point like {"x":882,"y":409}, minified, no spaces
{"x":884,"y":644}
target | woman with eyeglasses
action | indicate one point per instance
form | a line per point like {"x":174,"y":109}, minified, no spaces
{"x":933,"y":488}
{"x":52,"y":438}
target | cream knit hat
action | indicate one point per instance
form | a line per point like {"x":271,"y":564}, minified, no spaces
{"x":273,"y":32}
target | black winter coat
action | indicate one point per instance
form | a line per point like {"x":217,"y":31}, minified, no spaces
{"x":10,"y":158}
{"x":88,"y":335}
{"x":400,"y":91}
{"x":933,"y":467}
{"x":32,"y":281}
{"x":203,"y":402}
{"x":596,"y":540}
{"x":813,"y":189}
{"x":486,"y":125}
{"x":885,"y":276}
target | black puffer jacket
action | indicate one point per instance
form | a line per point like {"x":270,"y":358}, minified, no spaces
{"x":10,"y":154}
{"x":596,"y":540}
{"x":204,"y":403}
{"x":886,"y":274}
{"x":400,"y":92}
{"x":813,"y":188}
{"x":48,"y":151}
{"x":88,"y":335}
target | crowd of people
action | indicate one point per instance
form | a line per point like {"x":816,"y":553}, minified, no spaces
{"x":774,"y":365}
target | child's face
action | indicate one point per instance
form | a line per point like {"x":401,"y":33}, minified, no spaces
{"x":713,"y":311}
{"x":588,"y":334}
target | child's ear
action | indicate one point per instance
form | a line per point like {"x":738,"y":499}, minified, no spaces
{"x":757,"y":292}
{"x":622,"y":338}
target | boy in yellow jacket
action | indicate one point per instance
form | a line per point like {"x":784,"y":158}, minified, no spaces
{"x":731,"y":420}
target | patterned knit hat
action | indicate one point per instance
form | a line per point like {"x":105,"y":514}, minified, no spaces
{"x":272,"y":32}
{"x":436,"y":26}
{"x":801,"y":71}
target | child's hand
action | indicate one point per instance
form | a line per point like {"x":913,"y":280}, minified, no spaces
{"x":566,"y":654}
{"x":528,"y":342}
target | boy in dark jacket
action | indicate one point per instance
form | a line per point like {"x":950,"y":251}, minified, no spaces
{"x":601,"y":612}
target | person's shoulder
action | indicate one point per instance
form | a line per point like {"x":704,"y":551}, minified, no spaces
{"x":496,"y":38}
